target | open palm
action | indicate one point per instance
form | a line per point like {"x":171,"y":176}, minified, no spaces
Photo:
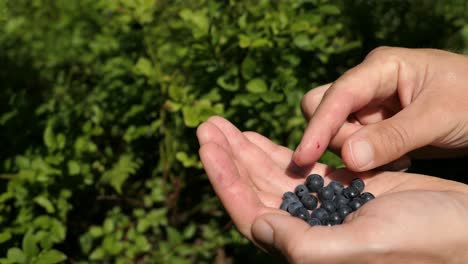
{"x":411,"y":217}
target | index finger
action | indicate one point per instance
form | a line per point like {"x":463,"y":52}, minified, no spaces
{"x":372,"y":81}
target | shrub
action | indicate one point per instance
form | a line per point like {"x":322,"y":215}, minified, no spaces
{"x":100,"y":101}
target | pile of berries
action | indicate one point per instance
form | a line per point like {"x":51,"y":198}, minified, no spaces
{"x":336,"y":201}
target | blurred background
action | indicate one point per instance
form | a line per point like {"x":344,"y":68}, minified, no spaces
{"x":100,"y":100}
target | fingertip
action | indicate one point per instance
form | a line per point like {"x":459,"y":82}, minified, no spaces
{"x":307,"y":154}
{"x":214,"y":117}
{"x":203,"y":133}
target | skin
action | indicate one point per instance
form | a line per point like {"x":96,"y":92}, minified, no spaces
{"x":398,"y":101}
{"x":414,"y":218}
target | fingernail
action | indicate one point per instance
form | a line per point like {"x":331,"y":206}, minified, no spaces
{"x":263,"y":232}
{"x":361,"y":153}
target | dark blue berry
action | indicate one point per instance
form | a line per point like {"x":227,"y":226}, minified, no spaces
{"x":301,"y":190}
{"x":293,"y":206}
{"x":314,"y":222}
{"x":365,"y":197}
{"x":329,"y":206}
{"x":334,"y":219}
{"x":309,"y":201}
{"x":314,"y":182}
{"x":340,"y":201}
{"x":302,"y":213}
{"x":351,"y":192}
{"x":358,"y":183}
{"x":355,"y":204}
{"x":284,"y":205}
{"x":321,"y":214}
{"x":336,"y":186}
{"x":326,"y":193}
{"x":290,"y":195}
{"x":344,"y":211}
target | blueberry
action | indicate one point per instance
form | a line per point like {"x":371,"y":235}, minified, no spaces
{"x":355,"y":204}
{"x":358,"y":183}
{"x":301,"y":190}
{"x":290,"y":195}
{"x":365,"y":197}
{"x":314,"y":182}
{"x":284,"y":205}
{"x":326,"y":193}
{"x":334,"y":219}
{"x":293,"y":206}
{"x":321,"y":214}
{"x":336,"y":186}
{"x":302,"y":213}
{"x":309,"y":201}
{"x":351,"y":192}
{"x":344,"y":211}
{"x":340,"y":201}
{"x":314,"y":222}
{"x":329,"y":206}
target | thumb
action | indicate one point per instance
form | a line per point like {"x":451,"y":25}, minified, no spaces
{"x":386,"y":141}
{"x":298,"y":242}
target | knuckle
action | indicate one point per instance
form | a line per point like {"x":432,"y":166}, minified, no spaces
{"x":385,"y":56}
{"x":310,"y":102}
{"x":250,"y":134}
{"x":379,"y":51}
{"x":304,"y":101}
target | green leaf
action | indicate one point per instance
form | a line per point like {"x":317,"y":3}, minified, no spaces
{"x":188,"y":161}
{"x":45,"y":203}
{"x":97,"y":254}
{"x":50,"y":257}
{"x":244,"y":41}
{"x":119,"y":173}
{"x":229,"y":81}
{"x":176,"y":92}
{"x":248,"y":68}
{"x":302,"y":41}
{"x":49,"y":137}
{"x":109,"y":225}
{"x":73,"y":167}
{"x":29,"y":245}
{"x":200,"y":111}
{"x":331,"y":159}
{"x":257,"y":85}
{"x":329,"y":9}
{"x":144,"y":67}
{"x":95,"y":231}
{"x":174,"y":236}
{"x":7,"y":116}
{"x":16,"y":255}
{"x":189,"y":231}
{"x":5,"y":236}
{"x":198,"y":19}
{"x":260,"y":43}
{"x":318,"y":41}
{"x":272,"y":97}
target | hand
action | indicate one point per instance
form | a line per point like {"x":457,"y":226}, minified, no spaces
{"x":414,"y":218}
{"x":399,"y":100}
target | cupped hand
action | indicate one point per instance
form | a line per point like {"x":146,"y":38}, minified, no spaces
{"x":414,"y":218}
{"x":396,"y":101}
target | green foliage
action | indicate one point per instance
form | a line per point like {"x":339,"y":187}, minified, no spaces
{"x":101,"y":98}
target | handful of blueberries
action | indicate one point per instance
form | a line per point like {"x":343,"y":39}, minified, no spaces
{"x":336,"y":200}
